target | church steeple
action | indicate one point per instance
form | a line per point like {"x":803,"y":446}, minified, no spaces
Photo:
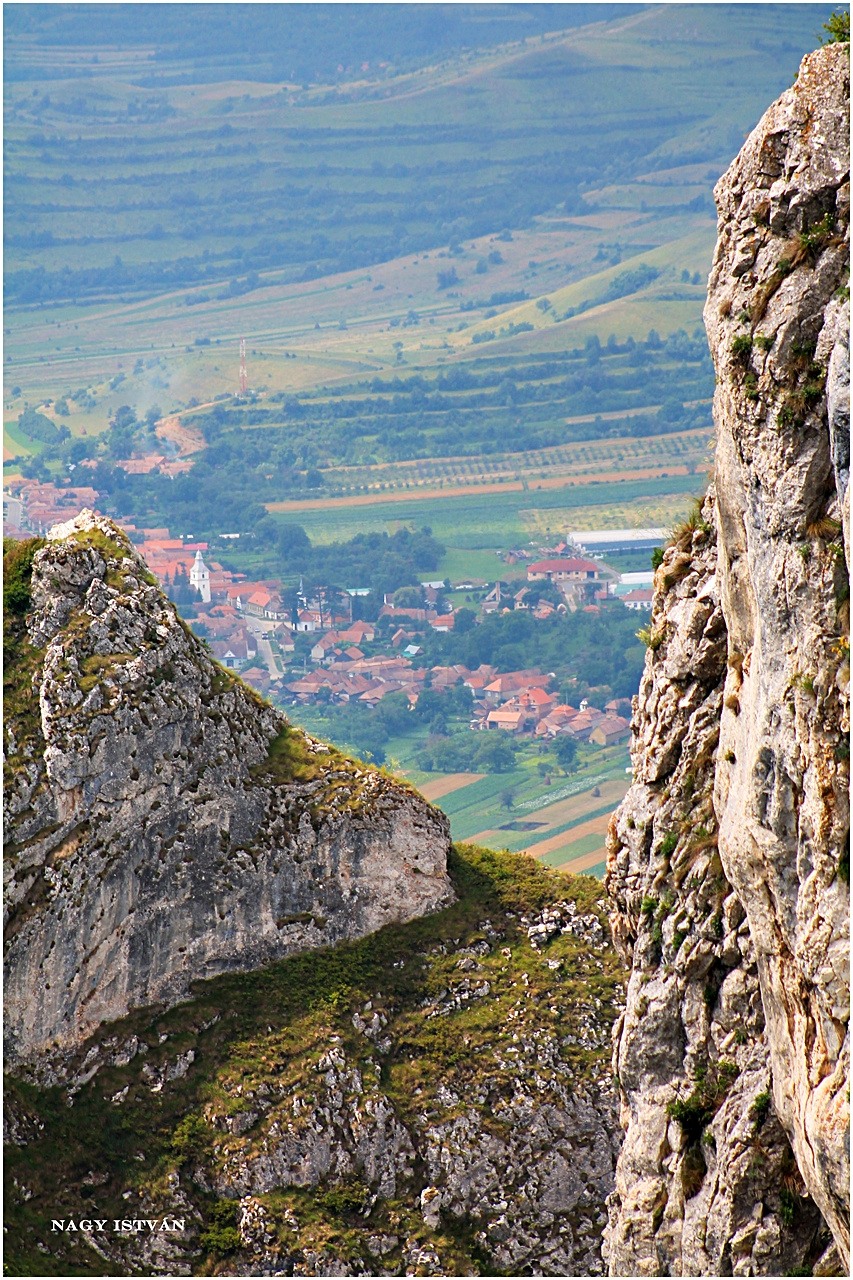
{"x":200,"y":578}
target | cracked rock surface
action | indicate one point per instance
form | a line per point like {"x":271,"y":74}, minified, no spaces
{"x":434,"y":1099}
{"x":728,"y":860}
{"x":163,"y":823}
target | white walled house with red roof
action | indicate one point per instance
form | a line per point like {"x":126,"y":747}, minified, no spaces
{"x":564,"y":570}
{"x":639,"y":598}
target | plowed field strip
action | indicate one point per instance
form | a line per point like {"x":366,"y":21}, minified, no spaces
{"x":577,"y":865}
{"x":575,"y":806}
{"x":597,"y":826}
{"x":462,"y":491}
{"x":453,"y":782}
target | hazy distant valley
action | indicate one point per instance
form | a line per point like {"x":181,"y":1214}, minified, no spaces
{"x":362,"y":329}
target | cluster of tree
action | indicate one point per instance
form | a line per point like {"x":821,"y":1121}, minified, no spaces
{"x":509,"y":331}
{"x":368,"y":731}
{"x":381,"y":562}
{"x":39,"y":427}
{"x":631,"y":281}
{"x":488,"y":752}
{"x":502,"y":298}
{"x":127,"y":432}
{"x":473,"y":408}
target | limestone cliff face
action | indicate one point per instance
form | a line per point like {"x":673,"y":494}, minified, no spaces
{"x":164,"y":824}
{"x":729,"y":865}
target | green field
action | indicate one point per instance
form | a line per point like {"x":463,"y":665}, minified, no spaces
{"x":499,"y":520}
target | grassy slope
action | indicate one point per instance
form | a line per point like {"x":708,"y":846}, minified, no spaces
{"x":266,"y":1031}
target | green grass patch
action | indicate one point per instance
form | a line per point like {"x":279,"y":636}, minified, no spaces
{"x":21,"y":660}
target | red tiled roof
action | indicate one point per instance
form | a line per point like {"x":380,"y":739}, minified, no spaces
{"x":610,"y":724}
{"x":537,"y":695}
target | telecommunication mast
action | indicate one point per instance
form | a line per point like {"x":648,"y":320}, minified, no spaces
{"x":244,"y":373}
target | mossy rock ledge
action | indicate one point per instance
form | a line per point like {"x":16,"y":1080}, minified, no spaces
{"x":163,"y":823}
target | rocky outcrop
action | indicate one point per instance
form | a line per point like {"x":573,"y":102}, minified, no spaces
{"x":434,"y":1099}
{"x":781,"y":482}
{"x":533,"y":1180}
{"x":728,"y":860}
{"x":705,"y":1181}
{"x":164,"y":824}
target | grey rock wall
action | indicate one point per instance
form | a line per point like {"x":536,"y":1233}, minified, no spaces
{"x":782,"y":413}
{"x":728,"y":858}
{"x":164,"y":824}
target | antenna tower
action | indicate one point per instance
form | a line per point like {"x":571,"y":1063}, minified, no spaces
{"x":244,"y":373}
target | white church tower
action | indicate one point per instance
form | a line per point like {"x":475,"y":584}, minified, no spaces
{"x":200,"y":578}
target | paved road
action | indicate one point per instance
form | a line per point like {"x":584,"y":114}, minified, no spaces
{"x":272,"y":663}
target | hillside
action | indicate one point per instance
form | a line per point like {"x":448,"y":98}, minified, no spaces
{"x":432,"y":1100}
{"x":346,"y":176}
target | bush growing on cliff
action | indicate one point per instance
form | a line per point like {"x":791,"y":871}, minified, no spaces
{"x":696,"y":1111}
{"x":222,"y":1235}
{"x":838,"y":27}
{"x":742,"y":347}
{"x":760,"y":1108}
{"x":17,"y":572}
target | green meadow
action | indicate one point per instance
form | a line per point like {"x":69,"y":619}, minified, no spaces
{"x":496,"y":520}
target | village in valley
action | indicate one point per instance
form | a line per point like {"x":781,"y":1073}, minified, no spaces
{"x":301,"y":649}
{"x":498,"y":682}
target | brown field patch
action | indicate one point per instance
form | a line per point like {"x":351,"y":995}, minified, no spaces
{"x":595,"y":826}
{"x":452,"y":782}
{"x":187,"y":438}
